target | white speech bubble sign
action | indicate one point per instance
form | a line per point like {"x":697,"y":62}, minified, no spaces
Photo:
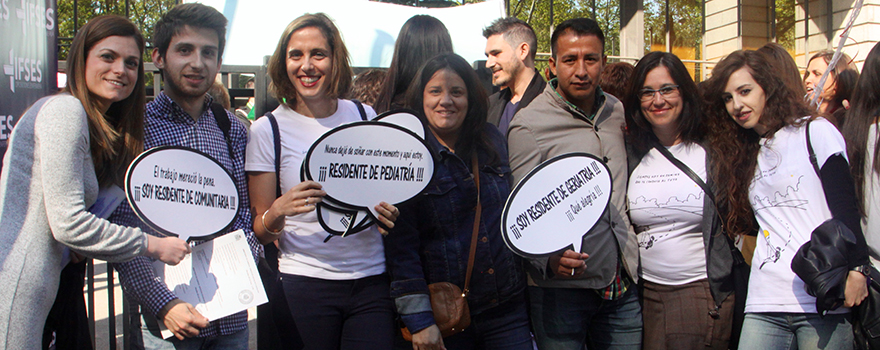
{"x":556,"y":204}
{"x":405,"y":118}
{"x":363,"y":163}
{"x":182,"y":192}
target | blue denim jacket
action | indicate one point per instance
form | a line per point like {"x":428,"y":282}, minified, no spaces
{"x":430,"y":241}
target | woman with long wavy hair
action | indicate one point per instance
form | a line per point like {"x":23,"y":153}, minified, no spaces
{"x":63,"y":150}
{"x":760,"y":132}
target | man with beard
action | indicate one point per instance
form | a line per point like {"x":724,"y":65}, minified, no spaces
{"x":511,"y":46}
{"x":188,"y":45}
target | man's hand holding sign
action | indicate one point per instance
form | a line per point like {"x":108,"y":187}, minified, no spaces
{"x":553,"y":207}
{"x":182,"y":192}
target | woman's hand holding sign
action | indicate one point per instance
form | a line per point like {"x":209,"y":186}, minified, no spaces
{"x":298,"y":200}
{"x":569,"y":264}
{"x":387,"y":216}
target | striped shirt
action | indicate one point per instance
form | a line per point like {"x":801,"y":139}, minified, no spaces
{"x":167,"y":124}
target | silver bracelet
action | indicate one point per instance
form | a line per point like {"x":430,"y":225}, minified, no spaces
{"x":263,"y":220}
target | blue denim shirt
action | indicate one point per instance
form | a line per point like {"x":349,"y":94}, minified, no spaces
{"x":431,"y":239}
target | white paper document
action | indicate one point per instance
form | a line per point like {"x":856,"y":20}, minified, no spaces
{"x":219,"y":278}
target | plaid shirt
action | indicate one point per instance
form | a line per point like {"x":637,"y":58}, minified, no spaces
{"x":166,"y":123}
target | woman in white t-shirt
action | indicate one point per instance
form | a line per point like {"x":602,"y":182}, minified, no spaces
{"x":862,"y":132}
{"x":337,"y":290}
{"x":687,"y":302}
{"x":759,"y":127}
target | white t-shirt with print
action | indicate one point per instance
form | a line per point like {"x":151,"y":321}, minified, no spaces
{"x":666,"y":208}
{"x":789,"y":203}
{"x":303,"y":250}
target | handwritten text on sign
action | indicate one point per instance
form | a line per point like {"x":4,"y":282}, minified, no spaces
{"x":556,"y":204}
{"x":181,"y":191}
{"x":364,"y":163}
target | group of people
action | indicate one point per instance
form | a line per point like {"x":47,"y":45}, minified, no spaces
{"x":694,"y":170}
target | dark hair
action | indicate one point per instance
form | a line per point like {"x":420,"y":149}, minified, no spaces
{"x":472,"y":134}
{"x":784,"y":63}
{"x":690,"y":122}
{"x":340,"y":75}
{"x":117,"y":136}
{"x":366,"y":86}
{"x":615,"y":77}
{"x":844,"y":86}
{"x":193,"y":15}
{"x":863,"y":112}
{"x":420,"y":38}
{"x":514,"y":31}
{"x":734,"y":149}
{"x":579,"y":27}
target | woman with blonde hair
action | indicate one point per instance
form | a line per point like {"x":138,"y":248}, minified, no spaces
{"x":62,"y":151}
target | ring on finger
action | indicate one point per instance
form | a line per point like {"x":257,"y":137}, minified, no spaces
{"x":307,"y":200}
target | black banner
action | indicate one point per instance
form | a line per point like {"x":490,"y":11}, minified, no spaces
{"x":28,"y":56}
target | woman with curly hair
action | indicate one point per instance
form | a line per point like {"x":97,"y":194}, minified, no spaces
{"x":760,"y":134}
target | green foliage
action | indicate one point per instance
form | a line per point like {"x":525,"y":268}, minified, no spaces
{"x":605,"y":12}
{"x":686,"y":20}
{"x":785,"y":22}
{"x":144,"y":14}
{"x":430,"y":3}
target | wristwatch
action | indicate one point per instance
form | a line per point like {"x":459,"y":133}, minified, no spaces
{"x":863,"y":269}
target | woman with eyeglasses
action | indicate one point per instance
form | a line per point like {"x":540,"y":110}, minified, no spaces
{"x":686,"y":261}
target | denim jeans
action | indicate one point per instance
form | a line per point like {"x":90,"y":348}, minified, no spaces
{"x":568,"y":319}
{"x":234,"y":341}
{"x":344,"y":314}
{"x":796,"y":331}
{"x":503,"y":327}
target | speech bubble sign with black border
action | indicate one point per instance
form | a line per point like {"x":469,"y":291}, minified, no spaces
{"x":369,"y":177}
{"x":192,"y":209}
{"x":556,"y":204}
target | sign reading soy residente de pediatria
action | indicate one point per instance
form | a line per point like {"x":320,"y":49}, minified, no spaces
{"x":556,"y":204}
{"x":182,"y":192}
{"x":364,"y":163}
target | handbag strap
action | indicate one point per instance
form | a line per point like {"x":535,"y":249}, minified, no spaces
{"x":812,"y":154}
{"x":687,"y":171}
{"x":473,"y":252}
{"x":708,"y":191}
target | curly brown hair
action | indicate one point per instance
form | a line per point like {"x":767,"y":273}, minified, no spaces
{"x":734,"y":149}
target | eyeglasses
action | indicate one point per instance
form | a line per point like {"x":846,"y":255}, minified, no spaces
{"x":666,"y":91}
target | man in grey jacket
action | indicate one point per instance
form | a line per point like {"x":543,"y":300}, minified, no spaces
{"x":586,"y":297}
